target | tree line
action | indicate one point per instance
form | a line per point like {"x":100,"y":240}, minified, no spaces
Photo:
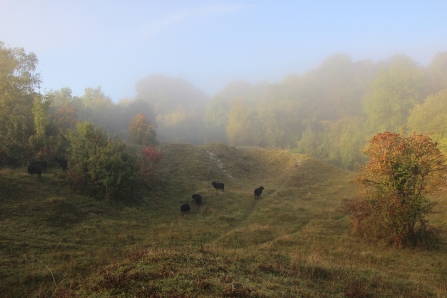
{"x":333,"y":111}
{"x":330,"y":112}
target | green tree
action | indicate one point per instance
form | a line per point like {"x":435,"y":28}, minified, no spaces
{"x":243,"y":126}
{"x":99,"y":165}
{"x":270,"y":118}
{"x":393,"y":94}
{"x":342,"y":141}
{"x":399,"y":174}
{"x":218,"y":109}
{"x":178,"y":105}
{"x":141,"y":131}
{"x":308,"y":143}
{"x":39,"y":140}
{"x":431,"y":118}
{"x":350,"y":142}
{"x":95,"y":99}
{"x":18,"y":81}
{"x":436,"y":74}
{"x":62,"y":97}
{"x":334,"y":89}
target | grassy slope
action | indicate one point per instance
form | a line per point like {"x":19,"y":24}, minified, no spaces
{"x":292,"y":242}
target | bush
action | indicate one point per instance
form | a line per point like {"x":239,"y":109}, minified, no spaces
{"x":148,"y":161}
{"x":99,"y":165}
{"x":393,"y":206}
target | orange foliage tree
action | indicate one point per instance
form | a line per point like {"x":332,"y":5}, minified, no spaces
{"x":148,"y":162}
{"x":393,"y":205}
{"x":141,"y":131}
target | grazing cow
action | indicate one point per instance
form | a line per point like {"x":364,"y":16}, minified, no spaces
{"x":258,"y":192}
{"x":42,"y":163}
{"x":218,"y":185}
{"x":33,"y":169}
{"x":197,"y":198}
{"x":185,"y":208}
{"x":62,"y":163}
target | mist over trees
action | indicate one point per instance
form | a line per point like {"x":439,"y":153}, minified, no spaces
{"x":330,"y":112}
{"x":178,"y":106}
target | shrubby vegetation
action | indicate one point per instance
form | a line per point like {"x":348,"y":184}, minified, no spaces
{"x":400,"y":172}
{"x":99,"y":165}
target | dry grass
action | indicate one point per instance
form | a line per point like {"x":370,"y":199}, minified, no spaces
{"x":293,"y":242}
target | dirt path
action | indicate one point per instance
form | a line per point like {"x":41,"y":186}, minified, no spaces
{"x":221,"y":166}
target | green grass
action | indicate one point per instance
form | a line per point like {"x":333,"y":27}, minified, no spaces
{"x":293,"y":242}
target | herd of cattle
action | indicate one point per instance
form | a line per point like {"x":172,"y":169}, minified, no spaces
{"x":39,"y":167}
{"x":218,"y":186}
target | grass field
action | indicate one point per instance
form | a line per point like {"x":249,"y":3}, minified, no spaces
{"x":293,"y":242}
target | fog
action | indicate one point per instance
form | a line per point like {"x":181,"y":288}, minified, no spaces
{"x":330,"y":111}
{"x":114,"y":45}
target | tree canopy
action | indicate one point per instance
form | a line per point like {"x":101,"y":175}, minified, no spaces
{"x":18,"y":83}
{"x":142,"y":131}
{"x":393,"y":94}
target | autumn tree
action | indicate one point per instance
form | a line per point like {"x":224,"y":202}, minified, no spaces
{"x":141,"y":131}
{"x":393,"y":206}
{"x":147,"y":164}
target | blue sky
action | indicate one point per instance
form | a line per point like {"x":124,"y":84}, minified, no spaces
{"x":113,"y":44}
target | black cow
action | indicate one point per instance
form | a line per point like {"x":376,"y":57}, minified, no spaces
{"x":63,"y":163}
{"x":218,"y":185}
{"x":258,"y":192}
{"x":185,"y":208}
{"x":197,"y":198}
{"x":33,"y":169}
{"x":42,"y":163}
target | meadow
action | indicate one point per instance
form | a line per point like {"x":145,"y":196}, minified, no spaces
{"x":295,"y":241}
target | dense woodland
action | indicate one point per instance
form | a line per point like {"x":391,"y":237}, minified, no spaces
{"x":330,"y":112}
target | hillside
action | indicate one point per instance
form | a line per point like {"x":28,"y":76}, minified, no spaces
{"x":292,"y":242}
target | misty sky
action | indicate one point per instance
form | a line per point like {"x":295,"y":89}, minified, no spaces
{"x":113,"y":44}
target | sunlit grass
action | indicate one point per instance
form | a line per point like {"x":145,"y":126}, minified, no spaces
{"x":292,"y":242}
